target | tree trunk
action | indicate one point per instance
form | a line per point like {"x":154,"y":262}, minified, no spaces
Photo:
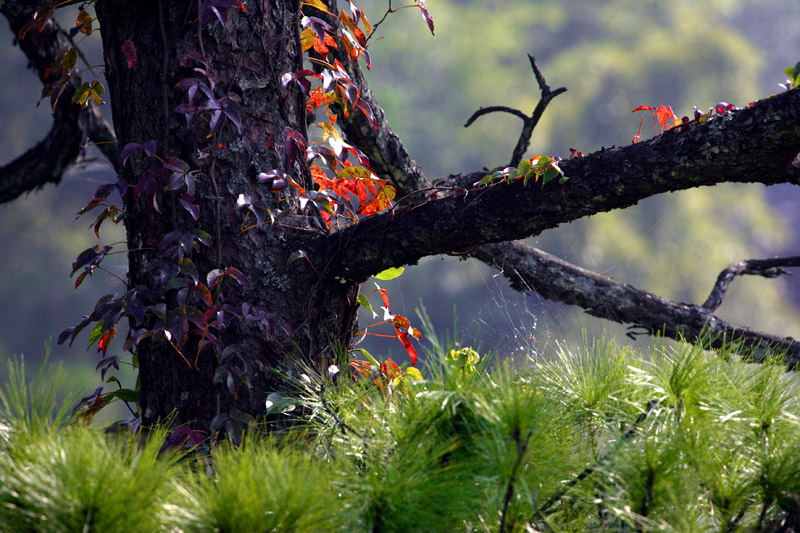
{"x":293,"y":314}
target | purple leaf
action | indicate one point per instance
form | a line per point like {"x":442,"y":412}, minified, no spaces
{"x":236,"y":274}
{"x":64,"y":335}
{"x":87,"y":400}
{"x":426,"y":15}
{"x":317,"y":25}
{"x":193,"y":209}
{"x":218,"y":8}
{"x":128,"y":150}
{"x":149,"y":148}
{"x":233,"y":115}
{"x":107,"y":362}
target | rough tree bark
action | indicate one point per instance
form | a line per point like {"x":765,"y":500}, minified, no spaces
{"x":312,"y":302}
{"x":319,"y":312}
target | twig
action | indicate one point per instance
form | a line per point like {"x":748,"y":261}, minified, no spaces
{"x":331,"y":412}
{"x":768,"y":268}
{"x":593,"y":468}
{"x":375,"y":26}
{"x":492,"y":108}
{"x":522,"y":448}
{"x":528,"y":122}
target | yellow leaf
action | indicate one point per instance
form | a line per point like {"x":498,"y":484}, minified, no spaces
{"x":317,"y":4}
{"x":355,"y":172}
{"x":85,"y":19}
{"x":328,"y":131}
{"x":413,"y":372}
{"x":307,"y":39}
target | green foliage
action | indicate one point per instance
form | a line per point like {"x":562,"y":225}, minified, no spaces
{"x":30,"y":408}
{"x":79,"y":479}
{"x":261,"y":486}
{"x":601,"y":438}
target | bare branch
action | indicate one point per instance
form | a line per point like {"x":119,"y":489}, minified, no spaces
{"x":768,"y":268}
{"x":492,"y":109}
{"x":529,"y":269}
{"x":528,"y":123}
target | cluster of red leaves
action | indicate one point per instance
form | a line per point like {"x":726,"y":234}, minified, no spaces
{"x":374,"y":195}
{"x":663,"y":116}
{"x":352,"y":38}
{"x":401,"y":326}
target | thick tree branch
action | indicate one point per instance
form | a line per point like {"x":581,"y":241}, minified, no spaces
{"x":753,"y":145}
{"x":47,"y":160}
{"x":768,"y":268}
{"x":529,"y":269}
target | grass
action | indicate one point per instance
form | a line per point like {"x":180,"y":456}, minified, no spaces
{"x":600,"y":438}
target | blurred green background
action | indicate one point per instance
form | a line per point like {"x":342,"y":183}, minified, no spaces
{"x":612,"y":55}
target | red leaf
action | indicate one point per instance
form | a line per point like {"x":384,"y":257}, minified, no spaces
{"x":401,"y":322}
{"x":129,"y":51}
{"x":643,"y":108}
{"x":105,"y":340}
{"x":409,"y":348}
{"x":664,"y":115}
{"x":384,"y":295}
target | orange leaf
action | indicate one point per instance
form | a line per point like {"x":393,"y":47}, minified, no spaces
{"x":323,"y":48}
{"x":362,"y":366}
{"x":391,"y":370}
{"x":85,"y":20}
{"x":381,"y":201}
{"x":643,"y":108}
{"x":344,"y":17}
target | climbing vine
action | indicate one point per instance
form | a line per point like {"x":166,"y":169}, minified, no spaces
{"x":185,"y":309}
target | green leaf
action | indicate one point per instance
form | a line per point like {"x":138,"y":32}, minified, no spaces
{"x":97,"y":332}
{"x":550,"y":174}
{"x":368,"y":356}
{"x":523,"y":167}
{"x":72,"y":59}
{"x":362,"y":300}
{"x":796,"y":71}
{"x":390,"y":273}
{"x":531,"y":171}
{"x":485,"y":180}
{"x":126,"y":395}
